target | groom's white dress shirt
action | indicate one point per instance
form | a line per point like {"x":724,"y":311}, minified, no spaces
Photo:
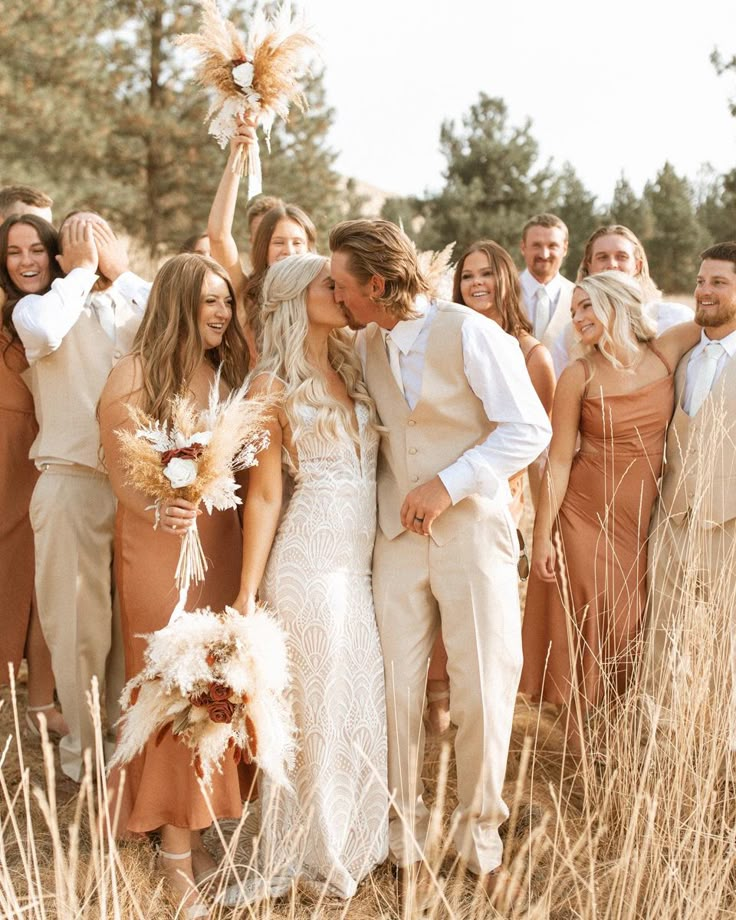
{"x":491,"y":365}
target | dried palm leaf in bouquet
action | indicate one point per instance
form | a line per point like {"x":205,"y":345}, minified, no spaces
{"x":194,"y":456}
{"x":256,"y":75}
{"x":216,"y":681}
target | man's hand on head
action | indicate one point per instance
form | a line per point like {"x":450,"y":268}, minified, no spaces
{"x":113,"y":255}
{"x":78,"y":247}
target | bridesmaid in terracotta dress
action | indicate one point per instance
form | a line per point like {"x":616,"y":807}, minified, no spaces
{"x":597,"y":500}
{"x":28,"y":249}
{"x":486,"y":280}
{"x":187,"y":332}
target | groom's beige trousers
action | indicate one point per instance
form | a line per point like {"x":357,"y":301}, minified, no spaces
{"x":469,"y":587}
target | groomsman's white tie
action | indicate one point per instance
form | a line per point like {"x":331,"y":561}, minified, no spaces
{"x":393,"y":359}
{"x":541,"y":312}
{"x":705,"y":375}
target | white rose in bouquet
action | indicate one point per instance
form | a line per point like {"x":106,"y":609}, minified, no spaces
{"x":180,"y":473}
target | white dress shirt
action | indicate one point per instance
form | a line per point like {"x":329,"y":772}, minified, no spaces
{"x":529,"y":288}
{"x":42,"y":320}
{"x":495,"y":370}
{"x":667,"y":314}
{"x":729,"y":350}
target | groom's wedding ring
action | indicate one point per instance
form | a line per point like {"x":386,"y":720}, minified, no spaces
{"x":418,"y":518}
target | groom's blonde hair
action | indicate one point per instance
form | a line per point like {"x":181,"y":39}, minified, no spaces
{"x":379,"y":247}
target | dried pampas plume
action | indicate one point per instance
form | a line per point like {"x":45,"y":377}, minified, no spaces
{"x":437,"y":269}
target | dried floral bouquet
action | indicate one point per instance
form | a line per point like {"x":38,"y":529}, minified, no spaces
{"x":255,"y":76}
{"x":217,"y":681}
{"x":194,"y":456}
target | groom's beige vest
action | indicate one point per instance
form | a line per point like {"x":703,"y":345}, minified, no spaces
{"x":448,"y":420}
{"x":67,"y":383}
{"x":700,"y":470}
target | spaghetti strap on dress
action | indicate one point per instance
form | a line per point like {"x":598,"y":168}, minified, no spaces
{"x":601,"y":529}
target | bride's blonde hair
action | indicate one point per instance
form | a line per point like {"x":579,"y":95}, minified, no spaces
{"x":285,"y":325}
{"x":618,"y":302}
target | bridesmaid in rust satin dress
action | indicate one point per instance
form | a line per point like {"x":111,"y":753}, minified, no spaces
{"x":187,"y":332}
{"x":584,"y":609}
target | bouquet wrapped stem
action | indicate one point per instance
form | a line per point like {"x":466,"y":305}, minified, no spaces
{"x":248,"y":162}
{"x":192,"y":564}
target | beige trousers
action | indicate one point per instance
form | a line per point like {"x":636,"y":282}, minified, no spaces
{"x":469,"y":588}
{"x":690,"y":629}
{"x":73,"y":518}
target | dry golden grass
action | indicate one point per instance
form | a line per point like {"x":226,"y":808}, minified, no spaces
{"x":644,"y":826}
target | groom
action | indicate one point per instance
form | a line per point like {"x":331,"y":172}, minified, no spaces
{"x":461,"y":417}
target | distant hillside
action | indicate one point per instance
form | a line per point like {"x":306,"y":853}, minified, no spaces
{"x":374,"y":197}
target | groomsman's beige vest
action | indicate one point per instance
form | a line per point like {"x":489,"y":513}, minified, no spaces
{"x":448,"y":420}
{"x":67,"y":383}
{"x":73,"y":517}
{"x":700,"y":473}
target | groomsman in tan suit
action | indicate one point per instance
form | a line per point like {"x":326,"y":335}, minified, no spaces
{"x":461,"y":417}
{"x":693,"y":552}
{"x":547,"y":294}
{"x":73,"y":336}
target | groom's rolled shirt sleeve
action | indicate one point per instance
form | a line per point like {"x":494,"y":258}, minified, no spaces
{"x":496,"y":372}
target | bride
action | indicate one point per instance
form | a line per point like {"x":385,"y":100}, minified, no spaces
{"x":313,"y":566}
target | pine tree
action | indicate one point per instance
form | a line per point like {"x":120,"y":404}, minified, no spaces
{"x":677,"y":236}
{"x":574,"y":204}
{"x":628,"y":209}
{"x":493,"y":182}
{"x":300,"y":168}
{"x":99,"y":108}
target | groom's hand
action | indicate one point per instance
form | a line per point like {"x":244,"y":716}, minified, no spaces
{"x":424,"y":505}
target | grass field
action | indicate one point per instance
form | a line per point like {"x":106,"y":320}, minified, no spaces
{"x":643,"y":826}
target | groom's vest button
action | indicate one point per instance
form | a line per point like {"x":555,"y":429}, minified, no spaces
{"x":415,"y":479}
{"x":411,"y":422}
{"x":412,"y":450}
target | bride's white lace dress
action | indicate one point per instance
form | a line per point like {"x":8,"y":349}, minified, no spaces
{"x":331,"y":830}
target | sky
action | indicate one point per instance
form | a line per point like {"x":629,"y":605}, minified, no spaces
{"x":612,"y":88}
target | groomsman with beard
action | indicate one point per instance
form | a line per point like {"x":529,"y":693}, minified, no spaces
{"x":461,"y":417}
{"x":693,"y":539}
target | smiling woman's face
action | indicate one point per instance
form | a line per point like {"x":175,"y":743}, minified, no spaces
{"x":28,"y":262}
{"x":586,"y":323}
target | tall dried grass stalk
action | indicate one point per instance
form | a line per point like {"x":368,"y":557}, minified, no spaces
{"x":642,"y":825}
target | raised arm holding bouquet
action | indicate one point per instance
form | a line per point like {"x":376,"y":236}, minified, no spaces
{"x":186,"y":344}
{"x":254,"y":76}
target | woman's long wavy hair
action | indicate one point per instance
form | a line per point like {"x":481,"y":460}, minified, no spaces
{"x":284,"y":353}
{"x":50,"y":241}
{"x":507,"y":286}
{"x":259,"y":256}
{"x":618,"y":302}
{"x":168,"y":342}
